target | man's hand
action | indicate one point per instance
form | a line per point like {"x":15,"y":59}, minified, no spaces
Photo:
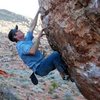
{"x":41,"y":33}
{"x":41,"y":10}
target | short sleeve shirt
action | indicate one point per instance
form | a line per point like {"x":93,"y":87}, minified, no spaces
{"x":23,"y":48}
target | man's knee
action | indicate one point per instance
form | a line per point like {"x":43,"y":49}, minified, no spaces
{"x":56,"y":54}
{"x":41,"y":73}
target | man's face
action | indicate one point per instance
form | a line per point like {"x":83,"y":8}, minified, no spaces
{"x":19,"y":35}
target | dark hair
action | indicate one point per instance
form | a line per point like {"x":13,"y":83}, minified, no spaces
{"x":11,"y":34}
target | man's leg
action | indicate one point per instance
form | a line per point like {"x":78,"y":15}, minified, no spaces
{"x":46,"y":66}
{"x":50,"y":63}
{"x":61,"y":67}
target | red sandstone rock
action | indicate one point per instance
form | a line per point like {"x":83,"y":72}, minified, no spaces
{"x":73,"y":28}
{"x":5,"y":74}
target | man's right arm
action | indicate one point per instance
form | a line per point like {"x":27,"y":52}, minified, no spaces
{"x":35,"y":46}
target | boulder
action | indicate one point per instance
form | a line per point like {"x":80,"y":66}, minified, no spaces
{"x":72,"y":27}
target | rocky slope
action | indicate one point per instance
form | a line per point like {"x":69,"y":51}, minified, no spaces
{"x":14,"y":75}
{"x":73,"y":29}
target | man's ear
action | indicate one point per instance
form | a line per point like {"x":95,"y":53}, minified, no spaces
{"x":15,"y":37}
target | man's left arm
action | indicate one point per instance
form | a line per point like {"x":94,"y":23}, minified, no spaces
{"x":34,"y":22}
{"x":29,"y":35}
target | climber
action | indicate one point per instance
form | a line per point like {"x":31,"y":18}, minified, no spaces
{"x":31,"y":56}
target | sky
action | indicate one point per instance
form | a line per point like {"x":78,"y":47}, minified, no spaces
{"x":27,"y":8}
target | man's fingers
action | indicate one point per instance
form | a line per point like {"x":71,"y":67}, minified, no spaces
{"x":44,"y":29}
{"x":42,"y":10}
{"x":43,"y":34}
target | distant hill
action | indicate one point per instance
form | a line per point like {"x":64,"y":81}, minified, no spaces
{"x":13,"y":17}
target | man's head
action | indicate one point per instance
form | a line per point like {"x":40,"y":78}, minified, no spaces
{"x":15,"y":35}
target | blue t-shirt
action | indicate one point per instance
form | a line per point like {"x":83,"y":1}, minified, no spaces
{"x":23,"y":48}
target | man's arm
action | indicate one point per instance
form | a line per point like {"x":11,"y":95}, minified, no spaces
{"x":36,"y":44}
{"x":34,"y":22}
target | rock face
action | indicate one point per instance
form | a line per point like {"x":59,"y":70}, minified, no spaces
{"x":73,"y":29}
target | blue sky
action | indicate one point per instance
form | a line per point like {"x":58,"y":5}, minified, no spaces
{"x":24,"y":7}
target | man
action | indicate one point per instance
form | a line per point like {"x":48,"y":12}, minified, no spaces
{"x":31,"y":56}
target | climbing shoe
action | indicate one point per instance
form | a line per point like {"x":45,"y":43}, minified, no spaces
{"x":34,"y":79}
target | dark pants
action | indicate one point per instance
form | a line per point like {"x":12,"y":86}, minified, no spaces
{"x":50,"y":63}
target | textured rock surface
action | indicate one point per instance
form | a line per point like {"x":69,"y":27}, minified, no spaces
{"x":73,"y":28}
